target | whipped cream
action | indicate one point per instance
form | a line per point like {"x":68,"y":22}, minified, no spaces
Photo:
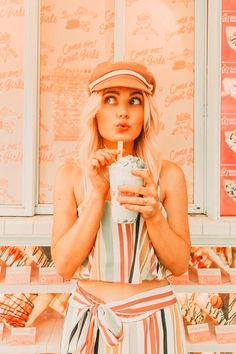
{"x":129,"y":161}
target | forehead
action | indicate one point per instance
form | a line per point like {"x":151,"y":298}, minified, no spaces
{"x":121,"y":90}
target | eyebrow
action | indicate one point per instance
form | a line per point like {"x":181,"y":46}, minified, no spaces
{"x":118,"y":93}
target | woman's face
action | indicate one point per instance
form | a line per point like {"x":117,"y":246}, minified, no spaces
{"x":120,"y":116}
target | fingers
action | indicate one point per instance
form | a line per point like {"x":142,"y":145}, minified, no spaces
{"x":145,"y":174}
{"x":103,"y":157}
{"x":147,"y":191}
{"x":148,"y":209}
{"x":137,"y":200}
{"x":143,"y":199}
{"x":147,"y":206}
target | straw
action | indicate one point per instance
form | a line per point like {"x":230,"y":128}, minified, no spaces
{"x":120,"y":149}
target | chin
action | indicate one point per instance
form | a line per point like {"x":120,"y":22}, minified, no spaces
{"x":128,"y":138}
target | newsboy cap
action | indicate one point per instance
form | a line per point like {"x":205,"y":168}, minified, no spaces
{"x":122,"y":74}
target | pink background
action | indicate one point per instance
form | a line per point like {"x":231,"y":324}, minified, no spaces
{"x":75,"y":36}
{"x":12,"y":31}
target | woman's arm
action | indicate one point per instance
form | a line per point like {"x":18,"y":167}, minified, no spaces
{"x":170,"y":237}
{"x":72,"y":237}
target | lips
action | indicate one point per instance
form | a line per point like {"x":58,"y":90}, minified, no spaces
{"x":122,"y":125}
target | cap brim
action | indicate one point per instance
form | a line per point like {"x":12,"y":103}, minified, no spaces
{"x":121,"y":81}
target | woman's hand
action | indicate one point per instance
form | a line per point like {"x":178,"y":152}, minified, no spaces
{"x":143,"y":199}
{"x":98,"y":171}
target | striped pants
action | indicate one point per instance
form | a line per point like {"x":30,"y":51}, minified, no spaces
{"x":146,"y":323}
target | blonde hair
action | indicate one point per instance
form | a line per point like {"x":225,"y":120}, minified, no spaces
{"x":145,"y":146}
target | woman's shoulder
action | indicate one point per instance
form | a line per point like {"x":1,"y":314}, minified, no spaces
{"x":170,"y":169}
{"x":69,"y":180}
{"x":69,"y":171}
{"x":171,"y":176}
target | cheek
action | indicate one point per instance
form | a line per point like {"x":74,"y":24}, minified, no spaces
{"x":139,"y":124}
{"x":138,"y":130}
{"x":102,"y":124}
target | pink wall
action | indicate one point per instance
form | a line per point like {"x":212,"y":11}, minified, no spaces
{"x":75,"y":35}
{"x":161,"y":35}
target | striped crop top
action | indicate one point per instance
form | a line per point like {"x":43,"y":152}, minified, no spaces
{"x":121,"y":253}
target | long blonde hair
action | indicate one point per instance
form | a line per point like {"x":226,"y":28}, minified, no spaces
{"x":145,"y":146}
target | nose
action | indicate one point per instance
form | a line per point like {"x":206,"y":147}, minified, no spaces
{"x":122,"y":113}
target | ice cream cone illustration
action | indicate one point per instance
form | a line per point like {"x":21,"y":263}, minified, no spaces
{"x":230,"y":188}
{"x":231,"y":36}
{"x":230,"y":139}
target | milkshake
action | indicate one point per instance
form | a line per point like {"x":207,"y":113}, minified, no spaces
{"x":120,"y":174}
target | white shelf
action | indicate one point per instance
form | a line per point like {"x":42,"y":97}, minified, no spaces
{"x":68,"y":286}
{"x":45,"y":240}
{"x":65,"y":287}
{"x":200,"y":288}
{"x":25,"y":240}
{"x":36,"y":230}
{"x":213,"y":240}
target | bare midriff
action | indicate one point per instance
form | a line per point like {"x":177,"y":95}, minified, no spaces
{"x":113,"y":291}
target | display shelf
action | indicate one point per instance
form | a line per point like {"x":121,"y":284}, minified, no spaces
{"x":35,"y":287}
{"x":211,"y":346}
{"x":68,"y":286}
{"x":47,"y":338}
{"x":49,"y":328}
{"x":200,"y":288}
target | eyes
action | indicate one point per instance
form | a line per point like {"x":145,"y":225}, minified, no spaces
{"x":135,"y":100}
{"x":114,"y":100}
{"x":110,"y":100}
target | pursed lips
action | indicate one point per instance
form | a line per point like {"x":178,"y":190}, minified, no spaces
{"x":122,"y":125}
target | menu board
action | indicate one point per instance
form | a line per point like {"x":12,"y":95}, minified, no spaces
{"x":228,"y":111}
{"x":161,"y":35}
{"x":12,"y":32}
{"x":75,"y":36}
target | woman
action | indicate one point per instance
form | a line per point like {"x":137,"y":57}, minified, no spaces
{"x":122,"y":302}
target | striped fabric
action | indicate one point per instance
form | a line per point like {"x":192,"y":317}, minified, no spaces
{"x":122,"y":253}
{"x":146,"y":323}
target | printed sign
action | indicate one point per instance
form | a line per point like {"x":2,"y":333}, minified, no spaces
{"x":178,"y":280}
{"x":23,"y":336}
{"x":225,"y":334}
{"x":232,"y":275}
{"x":48,"y":275}
{"x":228,"y":110}
{"x":199,"y":333}
{"x":209,"y":276}
{"x":18,"y":275}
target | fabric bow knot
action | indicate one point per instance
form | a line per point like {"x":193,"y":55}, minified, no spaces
{"x":91,"y":320}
